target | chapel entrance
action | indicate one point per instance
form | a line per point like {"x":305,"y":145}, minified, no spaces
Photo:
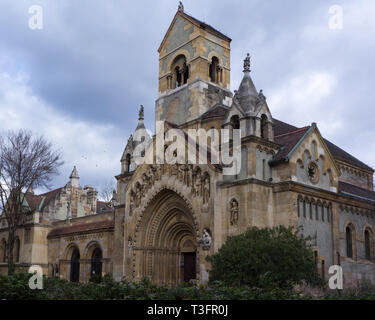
{"x":75,"y":266}
{"x":190,"y":266}
{"x":96,"y":262}
{"x":167,"y":248}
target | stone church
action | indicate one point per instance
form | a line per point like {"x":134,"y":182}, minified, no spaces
{"x":165,"y":219}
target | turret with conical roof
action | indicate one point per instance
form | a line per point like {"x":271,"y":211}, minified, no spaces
{"x":247,"y":96}
{"x":74,"y":178}
{"x":249,"y":110}
{"x":127,"y":162}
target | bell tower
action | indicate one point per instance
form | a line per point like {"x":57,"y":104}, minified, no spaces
{"x":194,"y":70}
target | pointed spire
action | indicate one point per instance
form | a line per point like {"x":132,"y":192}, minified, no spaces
{"x":141,"y":113}
{"x":74,"y":178}
{"x":246,"y":64}
{"x":180,"y":7}
{"x":30,"y":190}
{"x":247,"y":95}
{"x":74,"y":173}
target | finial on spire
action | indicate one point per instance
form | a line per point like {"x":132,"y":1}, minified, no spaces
{"x":141,"y":113}
{"x":180,"y":7}
{"x":246,"y":64}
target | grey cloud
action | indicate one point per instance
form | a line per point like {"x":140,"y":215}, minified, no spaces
{"x":97,"y":61}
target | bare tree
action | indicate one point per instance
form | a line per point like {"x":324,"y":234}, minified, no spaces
{"x":106,"y":191}
{"x":25,"y":162}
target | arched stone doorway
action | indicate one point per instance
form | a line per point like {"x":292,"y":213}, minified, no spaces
{"x":75,"y":265}
{"x":166,"y":240}
{"x":96,"y":262}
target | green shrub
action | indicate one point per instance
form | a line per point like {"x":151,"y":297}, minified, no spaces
{"x":265,"y":258}
{"x":16,"y":287}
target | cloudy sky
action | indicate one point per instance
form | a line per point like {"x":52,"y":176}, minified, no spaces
{"x":80,"y":80}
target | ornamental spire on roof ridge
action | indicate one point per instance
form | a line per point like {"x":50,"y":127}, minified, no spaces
{"x":180,"y":6}
{"x":246,"y":64}
{"x":141,"y":113}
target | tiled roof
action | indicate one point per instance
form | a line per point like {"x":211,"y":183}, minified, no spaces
{"x":281,"y":128}
{"x":206,"y":26}
{"x":349,"y":189}
{"x":102,"y":206}
{"x":340,"y":154}
{"x":84,"y":227}
{"x":39,"y":202}
{"x":33,"y":201}
{"x":49,"y":196}
{"x":288,"y":141}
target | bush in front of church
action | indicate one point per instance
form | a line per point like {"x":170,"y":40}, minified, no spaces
{"x":265,"y":258}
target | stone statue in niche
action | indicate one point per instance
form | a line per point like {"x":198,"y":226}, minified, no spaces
{"x":206,"y":188}
{"x":206,"y":239}
{"x":233,"y":212}
{"x":174,"y":170}
{"x":188,"y":174}
{"x":198,"y":183}
{"x":181,"y":173}
{"x":138,"y":194}
{"x":131,"y":205}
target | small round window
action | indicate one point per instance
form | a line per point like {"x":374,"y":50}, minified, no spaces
{"x":313,"y":172}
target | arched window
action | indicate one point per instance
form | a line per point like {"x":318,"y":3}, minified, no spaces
{"x":214,"y":70}
{"x":300,"y":206}
{"x":349,"y":242}
{"x":367,"y":244}
{"x":128,"y":162}
{"x":180,"y":71}
{"x":75,"y":266}
{"x":263,"y":126}
{"x":96,"y":262}
{"x":17,"y":247}
{"x":311,"y":208}
{"x":304,"y":208}
{"x":235,"y":122}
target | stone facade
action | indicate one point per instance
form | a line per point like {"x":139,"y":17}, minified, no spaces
{"x":168,"y":217}
{"x":290,"y":176}
{"x":59,"y":223}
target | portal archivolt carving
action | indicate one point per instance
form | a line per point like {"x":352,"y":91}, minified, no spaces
{"x":163,"y":231}
{"x":190,"y":175}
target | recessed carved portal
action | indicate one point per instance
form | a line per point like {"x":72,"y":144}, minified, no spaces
{"x":166,"y":244}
